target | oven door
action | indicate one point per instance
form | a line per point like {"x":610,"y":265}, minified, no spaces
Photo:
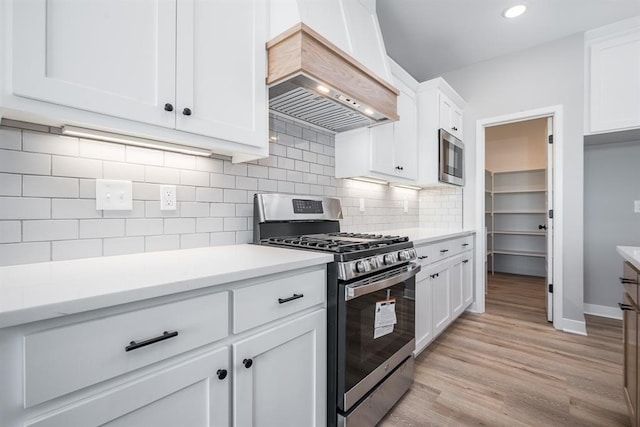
{"x":451,"y":159}
{"x":376,"y":331}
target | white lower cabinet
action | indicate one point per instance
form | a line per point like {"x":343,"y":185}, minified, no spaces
{"x":192,"y":393}
{"x":279,"y":375}
{"x":172,"y":361}
{"x":444,"y":287}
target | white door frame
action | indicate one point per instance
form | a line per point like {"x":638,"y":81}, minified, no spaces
{"x":556,"y":112}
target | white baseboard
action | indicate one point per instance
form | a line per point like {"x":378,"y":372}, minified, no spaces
{"x":603,"y":311}
{"x":574,"y":327}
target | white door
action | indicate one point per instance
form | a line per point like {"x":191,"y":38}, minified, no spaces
{"x":440,"y":285}
{"x":405,"y":136}
{"x":194,"y":393}
{"x":424,"y":328}
{"x":382,"y":149}
{"x":456,"y":286}
{"x":221,"y":69}
{"x":280,"y":375}
{"x":105,"y":56}
{"x":550,"y":219}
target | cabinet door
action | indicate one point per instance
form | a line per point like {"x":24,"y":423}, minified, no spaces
{"x":221,"y":70}
{"x":424,"y":301}
{"x":456,"y":286}
{"x":450,"y":116}
{"x":630,"y":348}
{"x":187,"y":394}
{"x":467,"y":280}
{"x":615,"y":83}
{"x":280,"y":375}
{"x":109,"y":57}
{"x":441,"y":288}
{"x":382,"y":149}
{"x":406,"y":134}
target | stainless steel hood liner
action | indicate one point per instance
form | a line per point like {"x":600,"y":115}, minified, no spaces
{"x":314,"y":81}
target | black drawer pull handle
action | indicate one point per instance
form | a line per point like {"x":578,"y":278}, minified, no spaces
{"x":444,"y":251}
{"x":465,"y":261}
{"x":247,"y":363}
{"x":465,"y":244}
{"x":222,"y":374}
{"x":433,"y":276}
{"x":423,"y":257}
{"x":165,"y":336}
{"x":186,"y":111}
{"x":628,"y":281}
{"x":295,"y":296}
{"x":168,"y":107}
{"x":625,"y":306}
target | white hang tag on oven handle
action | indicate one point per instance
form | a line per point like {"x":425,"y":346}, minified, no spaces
{"x":385,"y":318}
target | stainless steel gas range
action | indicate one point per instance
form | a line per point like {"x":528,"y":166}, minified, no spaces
{"x":370,"y":303}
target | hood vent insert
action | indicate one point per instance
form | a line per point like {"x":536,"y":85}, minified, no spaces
{"x":312,"y":80}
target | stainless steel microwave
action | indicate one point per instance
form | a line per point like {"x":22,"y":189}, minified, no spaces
{"x":451,"y":164}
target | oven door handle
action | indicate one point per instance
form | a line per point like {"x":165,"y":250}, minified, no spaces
{"x":354,"y":291}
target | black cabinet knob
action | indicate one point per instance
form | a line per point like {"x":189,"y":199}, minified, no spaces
{"x":222,"y":374}
{"x":186,"y":111}
{"x":542,"y":227}
{"x":168,"y":107}
{"x":400,"y":168}
{"x":247,"y":363}
{"x":454,"y":128}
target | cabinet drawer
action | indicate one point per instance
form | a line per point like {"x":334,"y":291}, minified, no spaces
{"x":425,"y":254}
{"x":61,"y":360}
{"x":262,"y":303}
{"x":448,"y":248}
{"x":630,"y":281}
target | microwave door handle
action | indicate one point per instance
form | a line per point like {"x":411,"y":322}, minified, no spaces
{"x":354,"y":290}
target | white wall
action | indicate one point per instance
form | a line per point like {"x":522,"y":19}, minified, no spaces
{"x":543,"y":76}
{"x":611,"y":184}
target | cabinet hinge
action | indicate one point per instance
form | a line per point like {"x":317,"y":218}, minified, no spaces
{"x":550,"y":139}
{"x":550,"y":213}
{"x":550,"y":288}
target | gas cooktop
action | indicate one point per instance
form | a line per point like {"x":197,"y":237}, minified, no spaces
{"x":338,"y":242}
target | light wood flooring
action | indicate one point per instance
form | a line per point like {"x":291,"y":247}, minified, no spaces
{"x":509,"y":367}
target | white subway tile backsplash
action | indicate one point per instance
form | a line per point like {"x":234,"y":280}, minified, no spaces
{"x":209,"y":194}
{"x":161,"y":243}
{"x":244,"y":209}
{"x":197,"y":178}
{"x":186,"y":193}
{"x":152,"y":210}
{"x":179,"y":161}
{"x":222,"y":209}
{"x":245,"y":183}
{"x":144,"y":191}
{"x":74,"y":208}
{"x":301,"y":144}
{"x":276,"y":151}
{"x":37,"y":142}
{"x":10,"y":139}
{"x":122,"y":246}
{"x":101,"y":150}
{"x":75,"y":249}
{"x":267,"y":185}
{"x":222,"y":181}
{"x":179,"y":225}
{"x":24,"y":253}
{"x":209,"y":165}
{"x":123,"y":171}
{"x":223,"y":238}
{"x":235,"y":224}
{"x":285,"y":163}
{"x":244,"y":237}
{"x":144,"y":156}
{"x":76,"y":167}
{"x":10,"y":184}
{"x":277,"y":174}
{"x":234,"y":196}
{"x":24,"y":163}
{"x":144,"y":226}
{"x":10,"y":231}
{"x":99,"y":228}
{"x":50,"y":186}
{"x":138,"y":211}
{"x":196,"y":240}
{"x":87,"y":188}
{"x":286,"y":187}
{"x":257,"y":171}
{"x":294,"y":153}
{"x":301,"y":166}
{"x":194,"y":209}
{"x":24,"y":208}
{"x":46,"y":230}
{"x":161,"y":175}
{"x":208,"y":225}
{"x":238,"y":169}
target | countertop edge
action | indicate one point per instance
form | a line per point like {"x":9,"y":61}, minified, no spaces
{"x":631,"y":254}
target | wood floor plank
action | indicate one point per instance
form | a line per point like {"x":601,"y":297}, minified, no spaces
{"x":510,"y":367}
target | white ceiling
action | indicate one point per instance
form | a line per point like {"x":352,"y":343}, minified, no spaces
{"x":431,"y":37}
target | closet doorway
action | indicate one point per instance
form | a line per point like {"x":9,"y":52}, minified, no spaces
{"x":518,"y":180}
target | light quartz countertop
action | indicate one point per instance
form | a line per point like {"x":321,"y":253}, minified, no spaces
{"x":32,"y":292}
{"x":420,"y":236}
{"x":631,"y":254}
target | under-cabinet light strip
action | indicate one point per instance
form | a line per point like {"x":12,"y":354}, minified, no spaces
{"x":370,"y":180}
{"x":410,"y":187}
{"x":132,"y":140}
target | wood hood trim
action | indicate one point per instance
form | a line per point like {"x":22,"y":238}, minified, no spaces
{"x":302,"y":50}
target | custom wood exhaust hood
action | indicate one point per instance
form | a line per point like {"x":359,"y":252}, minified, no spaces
{"x":311,"y":79}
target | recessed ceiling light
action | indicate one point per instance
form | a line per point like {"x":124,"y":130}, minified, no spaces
{"x":514,"y":11}
{"x":323,"y":89}
{"x":369,"y":111}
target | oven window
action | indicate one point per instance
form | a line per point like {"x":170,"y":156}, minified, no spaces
{"x":366,"y":347}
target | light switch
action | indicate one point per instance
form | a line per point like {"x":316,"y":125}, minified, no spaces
{"x":114,"y":195}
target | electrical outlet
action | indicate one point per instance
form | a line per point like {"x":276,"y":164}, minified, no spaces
{"x":168,"y":198}
{"x":636,"y":206}
{"x":361,"y":204}
{"x":114,"y":195}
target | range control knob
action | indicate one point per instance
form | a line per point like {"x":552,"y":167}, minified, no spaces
{"x":375,"y":263}
{"x":404,"y":255}
{"x":363,"y":266}
{"x":388,"y":259}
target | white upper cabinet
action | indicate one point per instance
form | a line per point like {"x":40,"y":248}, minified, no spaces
{"x":386,"y":152}
{"x":193,"y":69}
{"x":108,"y":57}
{"x":439,"y":107}
{"x":612,"y":80}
